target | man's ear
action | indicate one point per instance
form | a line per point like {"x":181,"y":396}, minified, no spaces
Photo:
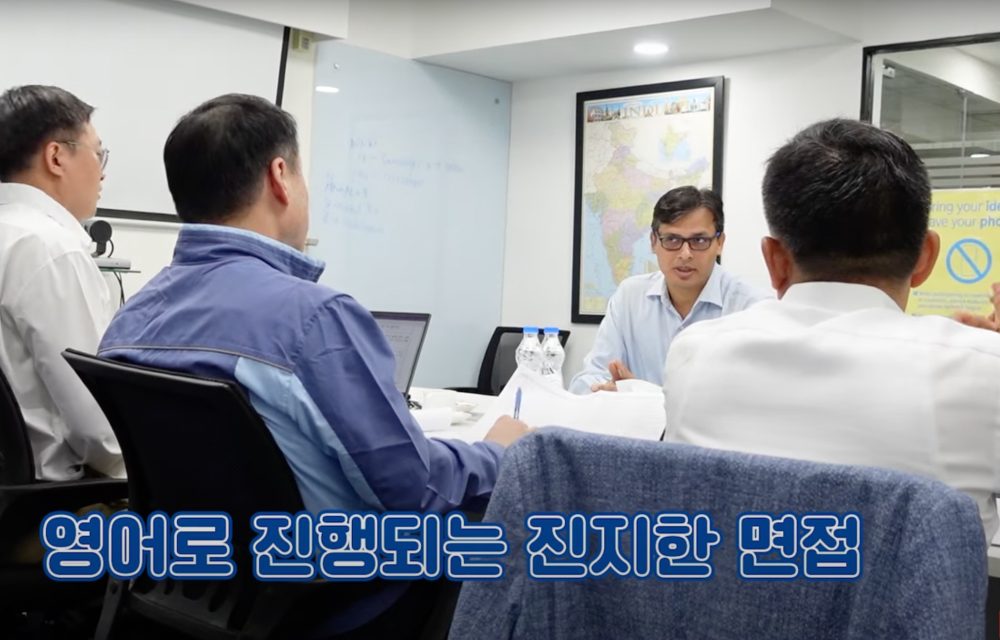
{"x":779,"y":263}
{"x":928,"y":258}
{"x":277,"y":180}
{"x":52,"y":158}
{"x":722,"y":242}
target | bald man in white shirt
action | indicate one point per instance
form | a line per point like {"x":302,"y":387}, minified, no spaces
{"x":52,"y":295}
{"x":835,"y":370}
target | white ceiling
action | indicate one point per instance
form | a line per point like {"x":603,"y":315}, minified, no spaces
{"x":726,"y":36}
{"x":988,"y":52}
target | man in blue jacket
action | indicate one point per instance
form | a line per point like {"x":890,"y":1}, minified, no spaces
{"x":240,"y":301}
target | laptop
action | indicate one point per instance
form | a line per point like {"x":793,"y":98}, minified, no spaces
{"x":405,"y":333}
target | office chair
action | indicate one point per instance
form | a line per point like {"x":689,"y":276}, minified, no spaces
{"x":195,"y":444}
{"x":922,"y":548}
{"x":498,"y":361}
{"x":24,"y":501}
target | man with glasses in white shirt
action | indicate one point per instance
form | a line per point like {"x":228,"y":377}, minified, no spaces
{"x":647,"y":311}
{"x":52,"y":295}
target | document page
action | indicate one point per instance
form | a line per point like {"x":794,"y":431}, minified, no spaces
{"x":635,"y":413}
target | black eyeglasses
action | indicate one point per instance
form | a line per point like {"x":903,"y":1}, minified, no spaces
{"x":672,"y":242}
{"x":102,"y":153}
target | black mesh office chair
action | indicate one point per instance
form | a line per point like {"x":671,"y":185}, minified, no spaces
{"x":194,"y":444}
{"x":16,"y":461}
{"x":498,"y":362}
{"x":24,"y":501}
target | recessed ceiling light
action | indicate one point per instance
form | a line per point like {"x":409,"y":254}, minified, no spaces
{"x":327,"y":89}
{"x":979,"y":155}
{"x":651,"y":48}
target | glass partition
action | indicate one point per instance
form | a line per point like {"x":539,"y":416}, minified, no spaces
{"x":943,"y":97}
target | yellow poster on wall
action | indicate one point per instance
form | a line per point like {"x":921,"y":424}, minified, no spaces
{"x":968,"y":221}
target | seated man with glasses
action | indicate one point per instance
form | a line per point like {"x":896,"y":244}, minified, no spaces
{"x":52,"y":295}
{"x":647,"y":311}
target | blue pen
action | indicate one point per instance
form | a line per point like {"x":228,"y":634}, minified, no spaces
{"x":517,"y":403}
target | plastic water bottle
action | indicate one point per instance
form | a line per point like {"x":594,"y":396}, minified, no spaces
{"x":552,"y":357}
{"x":529,"y":352}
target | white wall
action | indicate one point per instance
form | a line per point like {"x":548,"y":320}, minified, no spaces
{"x":880,"y":22}
{"x":383,"y":25}
{"x":326,"y":17}
{"x":297,"y":97}
{"x":768,"y":98}
{"x":895,"y":21}
{"x":149,"y":245}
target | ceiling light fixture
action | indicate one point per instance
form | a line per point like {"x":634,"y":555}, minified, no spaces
{"x":650,"y":48}
{"x":327,"y":89}
{"x":979,"y":155}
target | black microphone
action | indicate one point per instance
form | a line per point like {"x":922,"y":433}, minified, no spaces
{"x":100,"y":232}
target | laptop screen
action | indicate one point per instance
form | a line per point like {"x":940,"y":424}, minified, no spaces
{"x":405,"y":333}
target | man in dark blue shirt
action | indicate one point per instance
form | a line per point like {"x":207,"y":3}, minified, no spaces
{"x":240,"y":301}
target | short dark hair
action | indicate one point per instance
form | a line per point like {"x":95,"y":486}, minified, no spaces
{"x":680,"y":201}
{"x":30,"y":116}
{"x":849,"y":200}
{"x":218,"y":154}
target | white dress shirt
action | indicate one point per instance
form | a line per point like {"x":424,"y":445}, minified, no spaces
{"x":837,"y":373}
{"x":52,"y":297}
{"x":641,"y":321}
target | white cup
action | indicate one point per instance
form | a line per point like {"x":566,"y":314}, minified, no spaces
{"x":440,"y":398}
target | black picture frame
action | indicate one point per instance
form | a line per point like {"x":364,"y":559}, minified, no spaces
{"x":588,"y":104}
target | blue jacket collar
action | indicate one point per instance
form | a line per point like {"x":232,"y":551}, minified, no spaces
{"x":200,"y":243}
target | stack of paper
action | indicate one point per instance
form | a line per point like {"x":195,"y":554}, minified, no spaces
{"x":635,"y":411}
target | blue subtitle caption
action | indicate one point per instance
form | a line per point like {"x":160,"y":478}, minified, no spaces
{"x":360,"y":546}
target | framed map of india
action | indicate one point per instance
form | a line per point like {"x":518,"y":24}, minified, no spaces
{"x":634,"y":144}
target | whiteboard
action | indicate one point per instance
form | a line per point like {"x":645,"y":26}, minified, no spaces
{"x":408,"y":187}
{"x":142,"y":64}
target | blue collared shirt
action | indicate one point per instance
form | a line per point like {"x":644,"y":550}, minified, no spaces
{"x":641,"y":322}
{"x":237,"y":305}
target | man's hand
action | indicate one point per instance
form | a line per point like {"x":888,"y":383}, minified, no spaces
{"x":990,"y":322}
{"x":618,"y":371}
{"x":507,"y":431}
